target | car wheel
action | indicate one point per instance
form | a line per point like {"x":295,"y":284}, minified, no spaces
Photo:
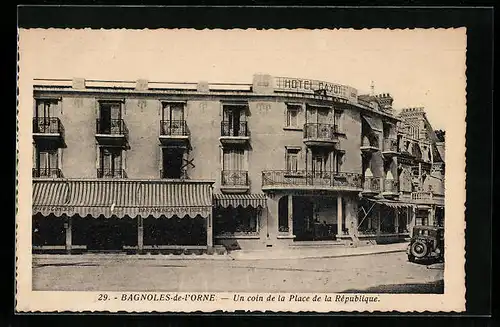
{"x":411,"y":258}
{"x":419,"y":249}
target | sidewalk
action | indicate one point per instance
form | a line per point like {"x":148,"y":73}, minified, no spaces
{"x":268,"y":254}
{"x":312,"y":253}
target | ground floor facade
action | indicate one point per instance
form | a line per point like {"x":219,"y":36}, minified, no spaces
{"x":152,"y":216}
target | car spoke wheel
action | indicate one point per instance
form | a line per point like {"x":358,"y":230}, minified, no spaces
{"x":419,"y":249}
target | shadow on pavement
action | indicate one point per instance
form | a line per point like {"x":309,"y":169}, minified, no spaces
{"x":436,"y":287}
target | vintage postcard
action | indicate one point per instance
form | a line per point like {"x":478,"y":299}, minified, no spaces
{"x":264,"y":170}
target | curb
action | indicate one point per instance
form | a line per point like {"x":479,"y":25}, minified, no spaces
{"x":325,"y":256}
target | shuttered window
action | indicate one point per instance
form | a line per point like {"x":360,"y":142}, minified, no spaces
{"x":234,"y":159}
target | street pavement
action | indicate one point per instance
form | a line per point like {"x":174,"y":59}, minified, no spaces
{"x":376,"y":273}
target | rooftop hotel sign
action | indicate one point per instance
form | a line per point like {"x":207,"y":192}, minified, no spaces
{"x":298,"y":85}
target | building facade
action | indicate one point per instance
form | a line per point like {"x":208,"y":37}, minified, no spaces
{"x":146,"y":166}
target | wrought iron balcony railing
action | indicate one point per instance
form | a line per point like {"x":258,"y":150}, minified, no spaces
{"x":390,"y":145}
{"x":111,"y":173}
{"x":47,"y":172}
{"x":320,"y":131}
{"x":48,"y":125}
{"x":234,"y":178}
{"x":228,"y":128}
{"x":421,"y":195}
{"x":372,"y":184}
{"x":111,"y":127}
{"x":289,"y":178}
{"x":168,"y":174}
{"x":173,"y":128}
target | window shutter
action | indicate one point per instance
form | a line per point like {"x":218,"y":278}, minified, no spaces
{"x":97,"y":156}
{"x":53,"y":159}
{"x":124,"y":163}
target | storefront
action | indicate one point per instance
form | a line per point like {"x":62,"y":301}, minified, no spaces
{"x":121,"y":215}
{"x":384,"y":220}
{"x":238,"y":219}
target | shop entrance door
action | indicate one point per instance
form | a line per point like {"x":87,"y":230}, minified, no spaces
{"x":303,"y":218}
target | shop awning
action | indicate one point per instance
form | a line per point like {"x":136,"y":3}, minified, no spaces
{"x":49,"y":197}
{"x":244,"y":200}
{"x":392,"y":204}
{"x":122,"y":198}
{"x":176,"y":198}
{"x":375,"y":124}
{"x":106,"y":197}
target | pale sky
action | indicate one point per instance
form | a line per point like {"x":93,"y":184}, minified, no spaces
{"x":418,"y":67}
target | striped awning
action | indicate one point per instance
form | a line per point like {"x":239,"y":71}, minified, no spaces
{"x":175,"y":198}
{"x":122,"y":198}
{"x":392,"y":204}
{"x":244,"y":200}
{"x":107,"y":197}
{"x":49,"y":197}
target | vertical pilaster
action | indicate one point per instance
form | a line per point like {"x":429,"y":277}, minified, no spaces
{"x":140,"y":234}
{"x":396,"y":220}
{"x":210,"y":243}
{"x":69,"y":235}
{"x":379,"y":216}
{"x":339,"y":215}
{"x":290,"y":214}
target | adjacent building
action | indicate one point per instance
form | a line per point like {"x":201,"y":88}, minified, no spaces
{"x":146,"y":166}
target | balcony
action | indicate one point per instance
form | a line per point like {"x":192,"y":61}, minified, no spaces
{"x":234,"y":133}
{"x":427,"y":197}
{"x":48,"y":130}
{"x":369,"y":146}
{"x":390,"y":148}
{"x":111,"y":173}
{"x":308,"y":180}
{"x":47,"y":173}
{"x":322,"y":135}
{"x":234,"y":181}
{"x":174,"y":132}
{"x":168,"y":174}
{"x":111,"y":132}
{"x":390,"y":188}
{"x":371,"y":186}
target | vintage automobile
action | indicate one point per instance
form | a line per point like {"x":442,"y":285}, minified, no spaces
{"x":427,"y":244}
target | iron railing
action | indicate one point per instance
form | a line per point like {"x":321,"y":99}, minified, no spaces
{"x":111,"y":173}
{"x":320,"y":131}
{"x":234,"y":178}
{"x":390,"y":145}
{"x":173,"y":128}
{"x":372,"y":184}
{"x":228,"y":128}
{"x":165,"y":174}
{"x":47,"y":172}
{"x":310,"y":178}
{"x":48,"y":125}
{"x":111,"y":127}
{"x":421,"y":195}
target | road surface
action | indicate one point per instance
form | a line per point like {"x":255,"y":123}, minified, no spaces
{"x":376,"y":273}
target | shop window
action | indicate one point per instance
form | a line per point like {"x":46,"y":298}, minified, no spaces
{"x":237,"y":220}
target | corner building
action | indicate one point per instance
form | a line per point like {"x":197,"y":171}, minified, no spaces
{"x":151,"y":166}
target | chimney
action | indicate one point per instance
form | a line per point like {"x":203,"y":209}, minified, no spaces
{"x":263,"y":83}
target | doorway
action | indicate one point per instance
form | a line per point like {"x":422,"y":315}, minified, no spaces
{"x":303,"y":218}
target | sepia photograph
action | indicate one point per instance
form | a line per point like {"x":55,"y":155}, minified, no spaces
{"x":210,"y":165}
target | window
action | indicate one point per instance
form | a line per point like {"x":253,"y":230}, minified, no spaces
{"x":47,"y":163}
{"x":233,"y":159}
{"x":234,"y":121}
{"x":338,"y":119}
{"x":172,"y":120}
{"x":173,"y":163}
{"x":110,"y":118}
{"x":292,"y":113}
{"x":45,"y":116}
{"x":110,"y":163}
{"x":292,"y":159}
{"x":242,"y":221}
